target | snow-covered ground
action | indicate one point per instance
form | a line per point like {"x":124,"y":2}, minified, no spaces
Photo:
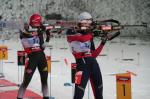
{"x":111,"y":63}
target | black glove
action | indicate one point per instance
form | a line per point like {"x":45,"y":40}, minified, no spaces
{"x":104,"y":38}
{"x":112,"y":36}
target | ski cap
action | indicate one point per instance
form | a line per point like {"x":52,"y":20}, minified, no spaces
{"x":84,"y":16}
{"x":35,"y":20}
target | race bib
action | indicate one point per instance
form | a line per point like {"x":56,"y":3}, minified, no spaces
{"x":77,"y":46}
{"x":31,"y":42}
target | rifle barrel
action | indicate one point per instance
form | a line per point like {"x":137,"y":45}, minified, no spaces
{"x":142,"y":25}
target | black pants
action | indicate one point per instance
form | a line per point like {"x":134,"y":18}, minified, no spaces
{"x":36,"y":59}
{"x":90,"y":69}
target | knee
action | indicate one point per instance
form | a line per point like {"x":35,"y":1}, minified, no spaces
{"x":25,"y":84}
{"x":44,"y":82}
{"x":80,"y":88}
{"x":99,"y":89}
{"x":99,"y":92}
{"x":79,"y":92}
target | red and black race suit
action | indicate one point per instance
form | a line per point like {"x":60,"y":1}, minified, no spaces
{"x":32,"y":43}
{"x":83,"y":49}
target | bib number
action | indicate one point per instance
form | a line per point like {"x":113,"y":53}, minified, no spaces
{"x":30,"y":42}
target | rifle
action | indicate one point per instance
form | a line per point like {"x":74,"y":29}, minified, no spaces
{"x":28,"y":30}
{"x":106,"y":27}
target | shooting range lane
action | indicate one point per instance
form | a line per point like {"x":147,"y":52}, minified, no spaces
{"x":9,"y":89}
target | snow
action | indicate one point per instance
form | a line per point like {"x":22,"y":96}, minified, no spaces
{"x":110,"y":64}
{"x":126,"y":11}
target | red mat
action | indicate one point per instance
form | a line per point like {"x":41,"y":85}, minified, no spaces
{"x":4,"y":82}
{"x":12,"y":94}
